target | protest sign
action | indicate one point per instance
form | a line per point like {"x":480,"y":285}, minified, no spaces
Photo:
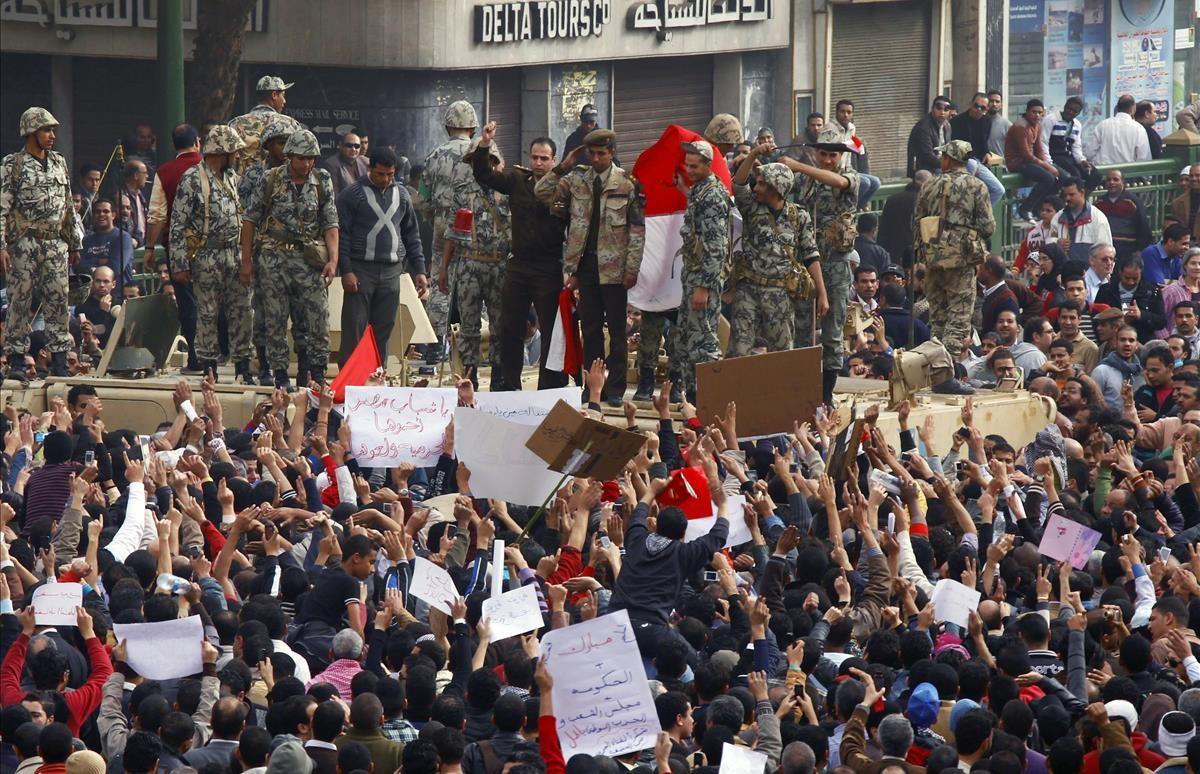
{"x":163,"y":650}
{"x":432,"y":584}
{"x":601,"y":697}
{"x":786,"y":389}
{"x":1068,"y":541}
{"x":391,"y":425}
{"x":738,"y":531}
{"x":741,"y":760}
{"x":953,"y":602}
{"x":502,"y":466}
{"x":513,"y":612}
{"x":54,"y":603}
{"x":574,"y":444}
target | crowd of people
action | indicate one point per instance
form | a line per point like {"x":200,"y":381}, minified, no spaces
{"x":822,"y":641}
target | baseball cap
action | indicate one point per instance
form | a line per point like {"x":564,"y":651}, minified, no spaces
{"x":892,"y":269}
{"x":589,"y":111}
{"x":272,"y":83}
{"x":1121,"y":708}
{"x":924,"y":705}
{"x":700,"y":147}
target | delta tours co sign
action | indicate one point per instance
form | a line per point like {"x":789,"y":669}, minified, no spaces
{"x":540,"y":20}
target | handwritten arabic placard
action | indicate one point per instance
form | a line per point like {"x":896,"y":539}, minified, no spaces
{"x":513,"y":612}
{"x":601,"y":697}
{"x":432,"y":584}
{"x":391,"y":425}
{"x":54,"y":603}
{"x":1068,"y":541}
{"x":163,"y":650}
{"x":953,"y":602}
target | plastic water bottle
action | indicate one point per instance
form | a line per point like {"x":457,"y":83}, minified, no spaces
{"x":172,"y":584}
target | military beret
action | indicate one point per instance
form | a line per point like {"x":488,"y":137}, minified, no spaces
{"x":598,"y":137}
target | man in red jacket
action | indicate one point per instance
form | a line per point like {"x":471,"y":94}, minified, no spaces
{"x":186,"y":140}
{"x":83,"y":701}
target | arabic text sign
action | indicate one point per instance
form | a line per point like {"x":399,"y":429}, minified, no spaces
{"x":391,"y":425}
{"x":1068,"y":541}
{"x":163,"y":650}
{"x":432,"y":584}
{"x":54,"y":603}
{"x":601,"y":697}
{"x":513,"y":612}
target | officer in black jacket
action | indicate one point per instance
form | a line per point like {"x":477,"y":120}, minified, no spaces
{"x":535,"y":272}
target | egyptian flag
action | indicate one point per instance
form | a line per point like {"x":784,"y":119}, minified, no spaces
{"x":565,"y":354}
{"x":363,"y":362}
{"x":687,"y":490}
{"x":658,"y":286}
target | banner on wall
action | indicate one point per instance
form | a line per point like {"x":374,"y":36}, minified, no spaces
{"x":1076,"y":58}
{"x":1142,"y":54}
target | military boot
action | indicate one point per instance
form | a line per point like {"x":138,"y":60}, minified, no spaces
{"x":264,"y":369}
{"x":496,"y":382}
{"x":645,"y":386}
{"x":828,"y":381}
{"x":281,"y":379}
{"x":953,"y":387}
{"x":58,"y":364}
{"x":243,"y":374}
{"x":316,"y":373}
{"x":676,"y":395}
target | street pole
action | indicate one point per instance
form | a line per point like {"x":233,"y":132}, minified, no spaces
{"x":170,"y":74}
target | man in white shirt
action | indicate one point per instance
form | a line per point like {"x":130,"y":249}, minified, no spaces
{"x":1120,"y":139}
{"x":1101,"y":259}
{"x":1063,"y":138}
{"x":1078,"y":225}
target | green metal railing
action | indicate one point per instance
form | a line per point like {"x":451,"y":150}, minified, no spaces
{"x":1155,"y":183}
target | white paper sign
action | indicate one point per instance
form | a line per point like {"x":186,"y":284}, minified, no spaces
{"x":953,"y":602}
{"x":497,"y":568}
{"x":502,"y":467}
{"x":432,"y":584}
{"x":741,"y":760}
{"x":391,"y":425}
{"x":54,"y":604}
{"x":163,"y":650}
{"x":513,"y":612}
{"x":601,"y":696}
{"x":738,"y":531}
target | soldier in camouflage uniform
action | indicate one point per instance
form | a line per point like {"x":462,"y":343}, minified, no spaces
{"x":294,"y":206}
{"x":272,"y":97}
{"x":39,"y":234}
{"x":705,"y":249}
{"x":961,"y":202}
{"x":831,"y":197}
{"x":724,"y":132}
{"x":443,"y":167}
{"x":650,"y":340}
{"x":771,"y":269}
{"x":606,"y":232}
{"x":206,"y":224}
{"x":273,"y":140}
{"x":472,"y":270}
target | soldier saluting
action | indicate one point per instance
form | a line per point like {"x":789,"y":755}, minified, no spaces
{"x":38,"y":235}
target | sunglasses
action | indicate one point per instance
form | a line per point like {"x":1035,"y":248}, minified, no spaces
{"x":351,"y":145}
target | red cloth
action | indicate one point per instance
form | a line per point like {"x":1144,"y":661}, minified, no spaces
{"x":330,"y":495}
{"x":658,"y":165}
{"x":1148,"y":758}
{"x":688,"y":491}
{"x":213,"y":539}
{"x":551,"y":749}
{"x":363,"y":362}
{"x":570,"y":564}
{"x":82,"y":702}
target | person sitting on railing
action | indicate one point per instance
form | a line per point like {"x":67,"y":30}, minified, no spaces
{"x":1062,"y":136}
{"x":1186,"y":208}
{"x":1025,"y":154}
{"x":1126,"y":215}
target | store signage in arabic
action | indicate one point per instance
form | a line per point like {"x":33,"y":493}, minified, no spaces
{"x":671,"y":14}
{"x":540,"y":20}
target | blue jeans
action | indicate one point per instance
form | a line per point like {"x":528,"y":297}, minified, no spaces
{"x":995,"y":189}
{"x":1044,"y":184}
{"x":867,"y":186}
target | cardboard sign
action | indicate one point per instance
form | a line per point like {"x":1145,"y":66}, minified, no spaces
{"x":786,"y":387}
{"x":576,"y":445}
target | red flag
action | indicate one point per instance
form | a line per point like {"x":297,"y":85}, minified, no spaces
{"x":688,"y":491}
{"x":657,"y":166}
{"x":363,"y":362}
{"x":565,"y":355}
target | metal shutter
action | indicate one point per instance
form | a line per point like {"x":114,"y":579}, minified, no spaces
{"x":111,"y":96}
{"x":504,"y":107}
{"x":880,"y":61}
{"x":649,"y":94}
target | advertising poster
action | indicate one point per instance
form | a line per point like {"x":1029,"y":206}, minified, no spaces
{"x":1076,"y":58}
{"x":1142,"y":53}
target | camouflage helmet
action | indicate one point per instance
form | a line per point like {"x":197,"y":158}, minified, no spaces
{"x":778,"y":176}
{"x":222,"y":139}
{"x":493,"y":151}
{"x":302,"y":143}
{"x":959,"y":150}
{"x":461,"y":115}
{"x":275,"y":129}
{"x":724,"y":129}
{"x":36,"y":118}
